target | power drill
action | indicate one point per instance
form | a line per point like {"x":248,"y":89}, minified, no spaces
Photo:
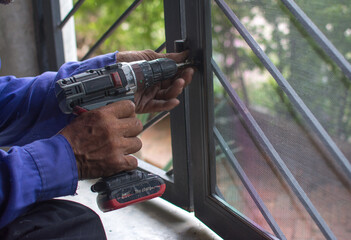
{"x":98,"y":87}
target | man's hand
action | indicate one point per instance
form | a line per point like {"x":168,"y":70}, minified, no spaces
{"x":102,"y":140}
{"x":162,"y":96}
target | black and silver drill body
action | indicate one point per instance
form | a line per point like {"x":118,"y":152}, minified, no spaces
{"x":96,"y":88}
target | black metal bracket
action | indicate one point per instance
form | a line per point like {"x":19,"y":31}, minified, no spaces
{"x":180,"y":45}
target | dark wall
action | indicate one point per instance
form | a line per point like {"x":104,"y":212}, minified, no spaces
{"x":17,"y":40}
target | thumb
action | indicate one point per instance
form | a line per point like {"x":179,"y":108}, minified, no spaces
{"x":120,"y":109}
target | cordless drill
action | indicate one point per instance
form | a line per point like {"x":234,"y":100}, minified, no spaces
{"x":98,"y":87}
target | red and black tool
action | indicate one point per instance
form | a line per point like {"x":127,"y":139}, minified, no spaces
{"x":126,"y":188}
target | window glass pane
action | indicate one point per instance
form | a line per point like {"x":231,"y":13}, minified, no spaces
{"x":143,"y":29}
{"x":333,"y":18}
{"x":157,"y":144}
{"x":303,"y":63}
{"x":322,"y":87}
{"x":278,"y":198}
{"x":233,"y":191}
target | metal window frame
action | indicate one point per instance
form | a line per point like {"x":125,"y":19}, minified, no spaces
{"x":208,"y":206}
{"x":49,"y":39}
{"x":180,"y":191}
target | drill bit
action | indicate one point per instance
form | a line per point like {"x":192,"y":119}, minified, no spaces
{"x":185,"y":64}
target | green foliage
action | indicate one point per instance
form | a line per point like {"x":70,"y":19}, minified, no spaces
{"x":142,"y":29}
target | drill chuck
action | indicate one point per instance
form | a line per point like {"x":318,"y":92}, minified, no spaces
{"x":147,"y":73}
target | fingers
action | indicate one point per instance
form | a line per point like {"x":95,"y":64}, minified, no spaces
{"x":176,"y":86}
{"x":172,"y":91}
{"x":132,"y":163}
{"x":178,"y":57}
{"x":161,"y":105}
{"x":121,"y":109}
{"x":101,"y":139}
{"x":127,"y":163}
{"x":130,"y":56}
{"x":131,"y":145}
{"x":158,"y":99}
{"x":187,"y":75}
{"x":130,"y":127}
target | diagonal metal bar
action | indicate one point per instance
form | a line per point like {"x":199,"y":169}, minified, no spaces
{"x":248,"y":185}
{"x":114,"y":26}
{"x":294,"y":98}
{"x":161,"y":47}
{"x":155,"y":120}
{"x":70,"y":14}
{"x":319,"y":37}
{"x":267,"y":147}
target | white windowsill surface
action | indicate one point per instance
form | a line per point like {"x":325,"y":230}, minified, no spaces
{"x":154,"y":219}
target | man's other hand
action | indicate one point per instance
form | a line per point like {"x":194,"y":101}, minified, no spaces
{"x":163,"y":95}
{"x":102,"y":140}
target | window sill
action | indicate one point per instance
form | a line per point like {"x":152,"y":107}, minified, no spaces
{"x":153,"y":219}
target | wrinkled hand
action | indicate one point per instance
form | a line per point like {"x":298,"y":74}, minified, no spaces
{"x":101,"y":140}
{"x":163,"y":95}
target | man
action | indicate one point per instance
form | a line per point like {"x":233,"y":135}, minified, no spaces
{"x":53,"y":150}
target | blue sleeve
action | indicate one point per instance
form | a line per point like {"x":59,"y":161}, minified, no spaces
{"x":35,"y":172}
{"x":29,"y":108}
{"x":41,"y":165}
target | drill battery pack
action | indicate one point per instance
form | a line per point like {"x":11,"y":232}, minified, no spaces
{"x":126,"y":188}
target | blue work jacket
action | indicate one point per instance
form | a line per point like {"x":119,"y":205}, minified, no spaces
{"x":40,"y":164}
